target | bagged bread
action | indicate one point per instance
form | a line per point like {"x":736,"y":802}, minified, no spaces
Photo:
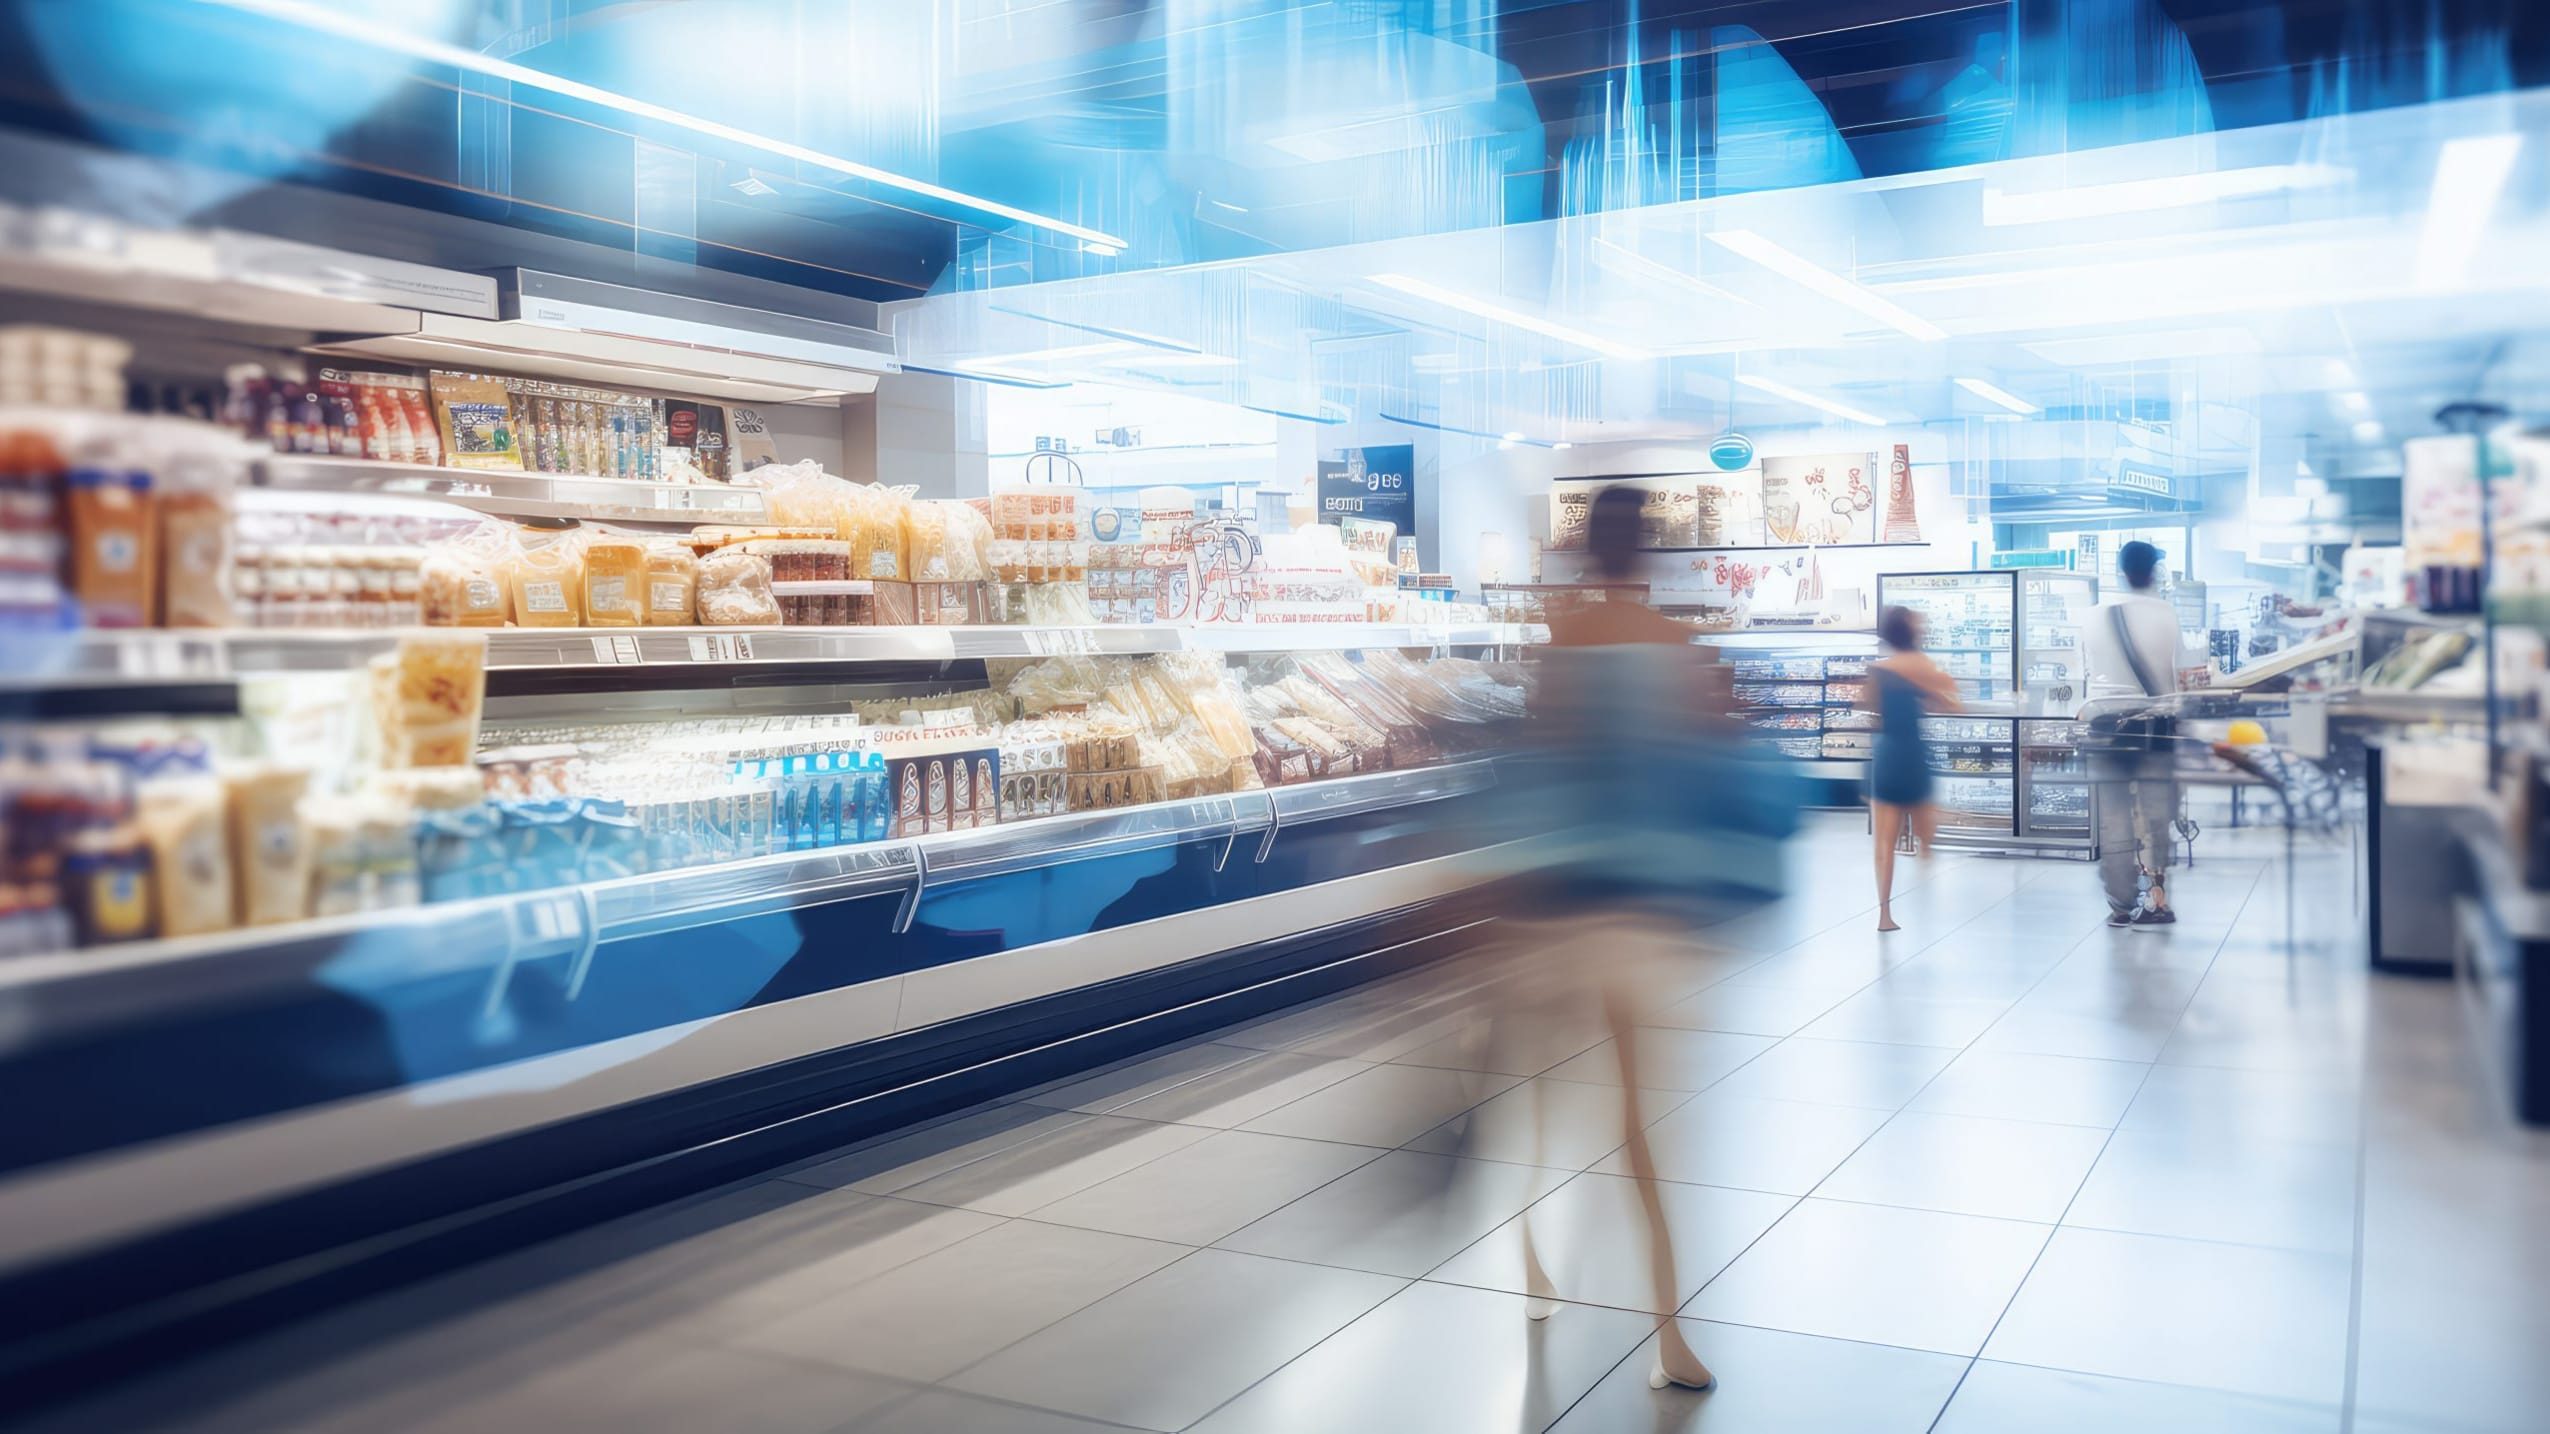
{"x":734,"y":590}
{"x":272,"y":846}
{"x":186,"y":822}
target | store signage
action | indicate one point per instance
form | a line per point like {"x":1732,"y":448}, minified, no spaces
{"x":2032,"y":558}
{"x":2139,"y":478}
{"x":1731,"y":451}
{"x":1377,"y":483}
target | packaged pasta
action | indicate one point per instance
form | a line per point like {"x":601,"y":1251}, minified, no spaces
{"x":614,"y":583}
{"x":672,"y":585}
{"x":734,"y":590}
{"x":186,"y":823}
{"x":271,"y":846}
{"x":877,"y":529}
{"x":476,"y":422}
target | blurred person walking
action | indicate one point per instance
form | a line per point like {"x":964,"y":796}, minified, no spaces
{"x":1902,"y":687}
{"x":1654,"y":817}
{"x":2132,"y":646}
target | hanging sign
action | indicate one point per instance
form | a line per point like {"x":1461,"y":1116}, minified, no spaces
{"x":1378,"y":483}
{"x":1731,"y":451}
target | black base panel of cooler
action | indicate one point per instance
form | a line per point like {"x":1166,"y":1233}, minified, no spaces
{"x":76,"y":1325}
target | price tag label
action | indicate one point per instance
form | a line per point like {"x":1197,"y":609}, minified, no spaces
{"x":165,"y":658}
{"x":722,"y":647}
{"x":615,"y":651}
{"x":1058,"y":641}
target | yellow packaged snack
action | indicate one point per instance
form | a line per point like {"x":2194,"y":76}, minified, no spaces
{"x":615,"y":577}
{"x":672,"y":585}
{"x":545,"y":578}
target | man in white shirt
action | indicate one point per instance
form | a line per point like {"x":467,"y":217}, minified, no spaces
{"x":2131,"y":645}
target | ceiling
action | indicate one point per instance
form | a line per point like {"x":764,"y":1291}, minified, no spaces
{"x":2333,"y":281}
{"x":1195,"y":131}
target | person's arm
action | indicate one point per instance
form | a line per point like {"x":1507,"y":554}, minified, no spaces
{"x":1942,"y":688}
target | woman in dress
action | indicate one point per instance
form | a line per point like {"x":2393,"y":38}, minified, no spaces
{"x":1902,"y":686}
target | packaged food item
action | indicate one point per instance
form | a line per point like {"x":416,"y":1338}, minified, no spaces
{"x":477,"y":424}
{"x":195,"y":535}
{"x":734,"y":590}
{"x":458,"y":587}
{"x":426,"y":700}
{"x":544,"y":579}
{"x":185,"y":821}
{"x":672,"y":585}
{"x":270,"y":845}
{"x":333,"y":827}
{"x":114,"y":547}
{"x":614,"y":583}
{"x":106,"y":882}
{"x":423,"y":434}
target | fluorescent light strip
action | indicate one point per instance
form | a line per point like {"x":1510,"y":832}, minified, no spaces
{"x":2137,"y":196}
{"x":1471,"y":304}
{"x":1995,"y":393}
{"x":435,"y":52}
{"x":1072,"y":351}
{"x":2470,"y":173}
{"x":1838,"y":409}
{"x":1831,"y":285}
{"x":1622,"y":259}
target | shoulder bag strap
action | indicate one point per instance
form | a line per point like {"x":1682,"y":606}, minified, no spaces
{"x":2133,"y":659}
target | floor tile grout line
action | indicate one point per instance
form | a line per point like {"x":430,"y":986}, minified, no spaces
{"x":2039,"y":1257}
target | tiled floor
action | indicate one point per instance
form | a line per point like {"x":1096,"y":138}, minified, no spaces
{"x":2004,"y":1170}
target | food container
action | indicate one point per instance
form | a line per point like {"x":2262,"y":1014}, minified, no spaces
{"x":269,"y":842}
{"x":114,"y":547}
{"x":614,"y":583}
{"x":734,"y":590}
{"x":672,"y":585}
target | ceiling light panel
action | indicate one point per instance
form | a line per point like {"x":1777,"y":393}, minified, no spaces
{"x":1833,"y":406}
{"x":1800,"y":270}
{"x":1514,"y":318}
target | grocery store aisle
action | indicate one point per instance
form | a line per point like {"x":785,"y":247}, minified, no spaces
{"x":2002,"y":1170}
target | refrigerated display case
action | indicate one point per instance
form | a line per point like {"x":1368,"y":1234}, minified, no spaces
{"x":1796,"y":693}
{"x":2058,"y":803}
{"x":1970,"y":622}
{"x":1976,"y":766}
{"x":2054,"y":606}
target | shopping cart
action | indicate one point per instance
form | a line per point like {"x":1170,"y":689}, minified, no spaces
{"x":2306,"y":791}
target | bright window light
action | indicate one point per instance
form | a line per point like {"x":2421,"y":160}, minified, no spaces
{"x":1472,"y":304}
{"x":1831,"y":285}
{"x":362,"y":31}
{"x":1512,"y":437}
{"x":1834,"y":407}
{"x":1994,"y":393}
{"x":2137,"y":196}
{"x":2469,"y":175}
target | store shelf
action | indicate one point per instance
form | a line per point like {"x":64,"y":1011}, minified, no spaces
{"x":491,"y":936}
{"x":156,"y":658}
{"x":520,"y":495}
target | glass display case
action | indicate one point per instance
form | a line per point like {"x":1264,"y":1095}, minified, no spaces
{"x":1798,"y":693}
{"x":2054,"y":607}
{"x":1976,"y":764}
{"x":2058,"y":808}
{"x":1970,"y":622}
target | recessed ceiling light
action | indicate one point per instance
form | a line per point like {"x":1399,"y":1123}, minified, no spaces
{"x":1513,"y":437}
{"x":2139,"y":196}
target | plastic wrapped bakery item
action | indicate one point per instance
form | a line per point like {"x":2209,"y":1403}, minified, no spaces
{"x":426,"y":700}
{"x":186,"y":822}
{"x":1069,"y":681}
{"x":968,"y":540}
{"x":270,"y":847}
{"x":196,"y":529}
{"x":544,"y":578}
{"x":672,"y":585}
{"x":614,"y":582}
{"x":734,"y":590}
{"x":1322,"y":705}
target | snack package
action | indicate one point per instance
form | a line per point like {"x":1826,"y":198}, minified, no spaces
{"x":426,"y":700}
{"x":476,"y":421}
{"x":672,"y":585}
{"x":271,"y":846}
{"x":114,"y":532}
{"x":458,"y":587}
{"x":186,"y":822}
{"x":196,"y":528}
{"x":614,"y":583}
{"x":734,"y":590}
{"x":544,"y":578}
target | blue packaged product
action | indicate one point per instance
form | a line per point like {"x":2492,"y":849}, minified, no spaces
{"x":458,"y":854}
{"x":542,"y":842}
{"x":828,"y":780}
{"x":612,"y":845}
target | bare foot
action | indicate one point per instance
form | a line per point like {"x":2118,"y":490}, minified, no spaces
{"x":1676,"y":1363}
{"x":1887,"y":923}
{"x":1540,"y":1299}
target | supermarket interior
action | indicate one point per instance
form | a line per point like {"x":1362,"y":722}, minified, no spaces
{"x":1260,"y":715}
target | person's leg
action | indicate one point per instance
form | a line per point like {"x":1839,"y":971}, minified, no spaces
{"x":1925,"y":825}
{"x":1888,"y":820}
{"x":2120,"y":846}
{"x":1676,"y":1361}
{"x":2158,"y":796}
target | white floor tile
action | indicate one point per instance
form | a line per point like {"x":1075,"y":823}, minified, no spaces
{"x":1910,"y":1278}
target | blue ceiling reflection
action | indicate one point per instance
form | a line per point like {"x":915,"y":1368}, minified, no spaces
{"x":1175,"y":131}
